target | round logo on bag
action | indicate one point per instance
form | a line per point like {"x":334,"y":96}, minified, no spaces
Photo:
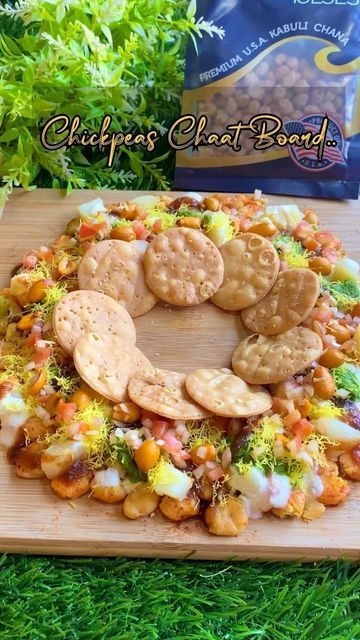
{"x":307,"y":159}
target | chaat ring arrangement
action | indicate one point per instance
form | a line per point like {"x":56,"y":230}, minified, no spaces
{"x":82,"y":406}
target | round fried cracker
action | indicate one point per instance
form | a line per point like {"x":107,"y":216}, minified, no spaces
{"x":225,"y":394}
{"x":116,"y":268}
{"x":164,"y":392}
{"x":107,"y":363}
{"x":251,"y":265}
{"x":183,"y":267}
{"x":269,"y":359}
{"x":289,"y":302}
{"x":81,"y":312}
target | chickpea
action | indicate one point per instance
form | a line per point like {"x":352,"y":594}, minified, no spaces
{"x":226,"y":518}
{"x":110,"y":495}
{"x":123,"y":233}
{"x":320,"y":265}
{"x":203,"y":453}
{"x":140,"y":502}
{"x":210,"y":203}
{"x":242,"y":99}
{"x":350,"y":465}
{"x":34,"y":428}
{"x":281,"y":72}
{"x":336,"y":490}
{"x":81,"y":399}
{"x":289,"y":79}
{"x":147,"y":455}
{"x":281,"y":58}
{"x":324,"y":385}
{"x":332,"y":358}
{"x":285,"y":106}
{"x":355,"y":312}
{"x":254,"y":106}
{"x":340,"y":333}
{"x":70,"y":488}
{"x":52,"y":403}
{"x":37,"y":291}
{"x":189,"y":222}
{"x":66,"y":267}
{"x":263,"y":68}
{"x":178,"y":510}
{"x":127,"y":412}
{"x":231,"y":106}
{"x":300,"y":100}
{"x":28,"y":460}
{"x":293,"y":62}
{"x":295,"y":506}
{"x":206,"y":490}
{"x":265,"y":229}
{"x":279,"y":93}
{"x":73,"y":226}
{"x":257,"y":92}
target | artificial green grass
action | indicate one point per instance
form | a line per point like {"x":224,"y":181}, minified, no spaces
{"x":120,"y":599}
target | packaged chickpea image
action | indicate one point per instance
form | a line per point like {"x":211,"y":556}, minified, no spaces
{"x":272,"y":100}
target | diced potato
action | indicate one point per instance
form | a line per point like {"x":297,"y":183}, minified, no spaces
{"x":285,"y":216}
{"x":91,"y":208}
{"x":346,"y":269}
{"x":254,"y":485}
{"x":146,"y":201}
{"x":339,"y":431}
{"x":172,"y":482}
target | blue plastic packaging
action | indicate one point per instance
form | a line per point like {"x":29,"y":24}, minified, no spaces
{"x":295,"y":59}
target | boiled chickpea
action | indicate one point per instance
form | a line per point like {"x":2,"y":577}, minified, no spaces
{"x":350,"y":465}
{"x":178,"y":510}
{"x":37,"y":291}
{"x":81,"y":399}
{"x":70,"y":489}
{"x":324,"y":385}
{"x":227,"y":518}
{"x":140,"y":502}
{"x":127,"y":412}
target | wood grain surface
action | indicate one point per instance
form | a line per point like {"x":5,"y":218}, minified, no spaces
{"x":34,"y":520}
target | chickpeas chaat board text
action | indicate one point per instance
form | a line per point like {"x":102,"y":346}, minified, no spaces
{"x":82,"y":406}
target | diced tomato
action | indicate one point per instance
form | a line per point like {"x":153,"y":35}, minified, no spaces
{"x":331,"y":254}
{"x":65,"y":411}
{"x":140,"y":230}
{"x":30,"y":261}
{"x":86,"y":232}
{"x":245,"y":224}
{"x":302,"y":428}
{"x":215,"y":474}
{"x":327,"y":239}
{"x":172,"y":444}
{"x":45,"y":255}
{"x":159,"y":428}
{"x":32,"y":339}
{"x":100,"y":227}
{"x":303,"y":230}
{"x":41,"y":356}
{"x":322,"y":315}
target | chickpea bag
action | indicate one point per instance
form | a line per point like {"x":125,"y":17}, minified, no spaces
{"x":296,"y":65}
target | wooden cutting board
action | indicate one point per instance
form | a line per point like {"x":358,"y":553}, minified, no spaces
{"x":34,"y":520}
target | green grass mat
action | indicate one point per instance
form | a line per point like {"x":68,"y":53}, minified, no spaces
{"x":119,"y":599}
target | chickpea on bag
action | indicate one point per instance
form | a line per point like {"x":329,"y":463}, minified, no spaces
{"x":295,"y":62}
